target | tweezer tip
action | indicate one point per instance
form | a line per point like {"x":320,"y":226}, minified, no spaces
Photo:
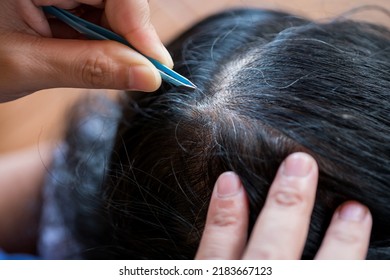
{"x":190,"y":85}
{"x":187,"y":83}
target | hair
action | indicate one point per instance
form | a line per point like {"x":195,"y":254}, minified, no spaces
{"x":268,"y":84}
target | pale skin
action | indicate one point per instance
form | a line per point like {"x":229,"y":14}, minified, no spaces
{"x":33,"y":57}
{"x":281,"y":228}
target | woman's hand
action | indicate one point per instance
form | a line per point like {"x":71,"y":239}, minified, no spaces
{"x":282,"y":226}
{"x":33,"y":57}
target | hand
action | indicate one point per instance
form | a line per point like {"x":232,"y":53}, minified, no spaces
{"x":281,"y":228}
{"x":33,"y":57}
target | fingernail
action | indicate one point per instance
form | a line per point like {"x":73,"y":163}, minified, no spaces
{"x":297,"y":165}
{"x":228,"y":184}
{"x":144,"y":78}
{"x":352,"y":212}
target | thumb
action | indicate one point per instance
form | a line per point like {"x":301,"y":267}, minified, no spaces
{"x":88,"y":64}
{"x":131,"y":19}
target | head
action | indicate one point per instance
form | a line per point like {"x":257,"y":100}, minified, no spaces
{"x":268,"y":84}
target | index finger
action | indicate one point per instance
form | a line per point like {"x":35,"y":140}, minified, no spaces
{"x":131,"y":19}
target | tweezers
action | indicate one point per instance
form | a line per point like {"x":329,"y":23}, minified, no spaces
{"x":96,"y":32}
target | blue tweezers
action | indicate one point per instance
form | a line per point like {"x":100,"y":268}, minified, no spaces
{"x":96,"y":32}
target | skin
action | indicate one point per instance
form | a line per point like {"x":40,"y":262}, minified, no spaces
{"x":281,"y":228}
{"x":34,"y":53}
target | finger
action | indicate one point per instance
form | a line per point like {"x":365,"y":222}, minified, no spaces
{"x":226,"y":226}
{"x":80,"y":63}
{"x":131,"y":19}
{"x":281,"y":229}
{"x":64,"y":4}
{"x":34,"y":17}
{"x":348,"y":235}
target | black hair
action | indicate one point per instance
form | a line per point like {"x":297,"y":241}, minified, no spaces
{"x":268,"y":84}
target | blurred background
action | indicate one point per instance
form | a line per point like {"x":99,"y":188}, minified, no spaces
{"x":41,"y":117}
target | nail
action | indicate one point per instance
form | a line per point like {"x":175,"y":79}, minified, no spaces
{"x":298,"y":165}
{"x":228,"y":184}
{"x":144,"y":78}
{"x":352,"y":212}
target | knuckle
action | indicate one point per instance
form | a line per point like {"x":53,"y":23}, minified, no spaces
{"x":144,"y":20}
{"x":287,"y":197}
{"x":97,"y":70}
{"x":143,"y":24}
{"x":225,"y":217}
{"x":143,"y":15}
